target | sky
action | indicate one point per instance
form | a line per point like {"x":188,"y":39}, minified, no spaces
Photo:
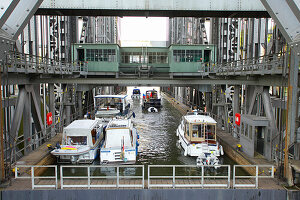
{"x":144,"y":29}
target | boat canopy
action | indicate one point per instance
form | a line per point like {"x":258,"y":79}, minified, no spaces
{"x":115,"y":138}
{"x":199,"y":119}
{"x":111,"y":96}
{"x":136,"y":91}
{"x":81,"y":127}
{"x":79,"y":132}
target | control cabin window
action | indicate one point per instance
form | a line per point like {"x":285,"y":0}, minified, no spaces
{"x":187,"y":55}
{"x":151,"y":57}
{"x":101,"y":55}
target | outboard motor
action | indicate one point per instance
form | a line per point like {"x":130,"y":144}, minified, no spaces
{"x":57,"y":145}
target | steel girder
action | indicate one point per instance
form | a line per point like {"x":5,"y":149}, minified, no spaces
{"x":171,"y":8}
{"x":14,"y":20}
{"x":286,"y":14}
{"x":6,"y":8}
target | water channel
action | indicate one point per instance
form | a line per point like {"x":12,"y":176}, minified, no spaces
{"x":158,"y":143}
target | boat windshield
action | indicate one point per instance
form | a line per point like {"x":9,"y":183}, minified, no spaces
{"x":136,"y":91}
{"x":76,"y":140}
{"x":109,"y":103}
{"x":152,"y":94}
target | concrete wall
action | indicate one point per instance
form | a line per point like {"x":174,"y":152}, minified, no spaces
{"x":136,"y":194}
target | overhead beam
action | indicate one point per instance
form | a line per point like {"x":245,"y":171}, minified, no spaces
{"x":20,"y":16}
{"x":147,"y":8}
{"x":6,"y":8}
{"x":263,"y":81}
{"x":285,"y":17}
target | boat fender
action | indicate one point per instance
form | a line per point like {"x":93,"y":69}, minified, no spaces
{"x":138,"y":136}
{"x":50,"y":148}
{"x":221,"y":149}
{"x":185,"y":153}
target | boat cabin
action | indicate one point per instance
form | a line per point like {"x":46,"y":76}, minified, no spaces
{"x":117,"y":103}
{"x":82,"y":132}
{"x":199,"y":128}
{"x":136,"y":91}
{"x":151,"y":94}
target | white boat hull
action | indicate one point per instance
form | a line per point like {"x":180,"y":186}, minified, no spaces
{"x":115,"y":154}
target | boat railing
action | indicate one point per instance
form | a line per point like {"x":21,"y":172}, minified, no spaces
{"x":190,"y":176}
{"x":256,"y":172}
{"x":36,"y":174}
{"x":104,"y":176}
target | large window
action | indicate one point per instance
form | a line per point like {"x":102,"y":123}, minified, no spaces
{"x":101,"y":55}
{"x":152,"y":57}
{"x":187,"y":55}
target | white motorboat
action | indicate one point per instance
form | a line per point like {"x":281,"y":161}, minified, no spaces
{"x":110,"y":106}
{"x":120,"y":143}
{"x":197,"y":135}
{"x":81,"y":142}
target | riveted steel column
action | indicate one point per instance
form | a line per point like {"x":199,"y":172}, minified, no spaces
{"x":79,"y":98}
{"x":291,"y":110}
{"x":236,"y":106}
{"x":27,"y":130}
{"x":52,"y":107}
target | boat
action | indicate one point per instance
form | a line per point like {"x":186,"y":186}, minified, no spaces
{"x":110,"y":106}
{"x":151,"y":99}
{"x":81,"y":141}
{"x":136,"y":94}
{"x":120,"y":144}
{"x":197,"y":135}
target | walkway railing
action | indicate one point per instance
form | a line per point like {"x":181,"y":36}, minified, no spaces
{"x":190,"y":176}
{"x":33,"y":172}
{"x":271,"y":64}
{"x":252,"y":180}
{"x":94,"y":176}
{"x":26,"y":63}
{"x":133,"y":176}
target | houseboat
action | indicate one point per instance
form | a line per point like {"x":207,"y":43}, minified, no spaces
{"x":120,"y":143}
{"x":197,"y":135}
{"x":81,"y":141}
